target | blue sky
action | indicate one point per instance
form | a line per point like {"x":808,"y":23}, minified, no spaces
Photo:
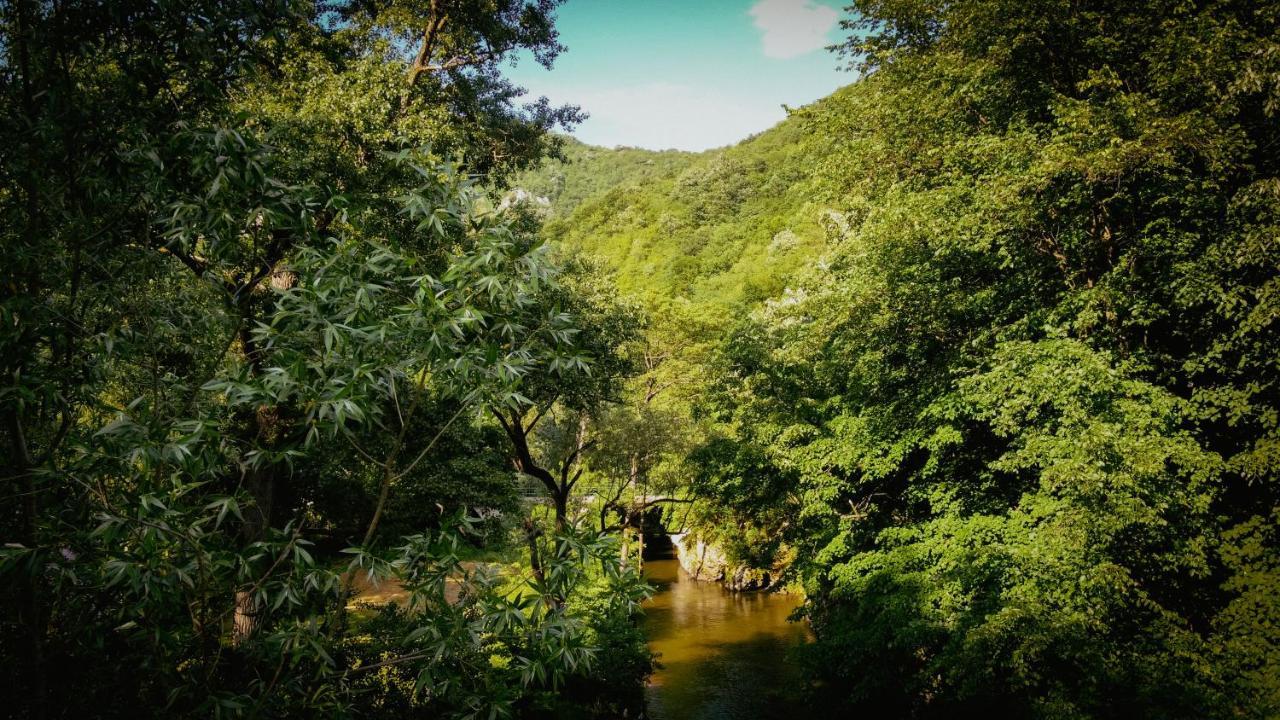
{"x":688,"y":74}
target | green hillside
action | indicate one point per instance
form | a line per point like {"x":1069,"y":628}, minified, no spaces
{"x":586,"y":171}
{"x":719,"y":228}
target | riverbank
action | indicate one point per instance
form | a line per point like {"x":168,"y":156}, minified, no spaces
{"x":707,"y":562}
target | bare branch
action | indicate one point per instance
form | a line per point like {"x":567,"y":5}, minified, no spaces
{"x":431,"y":444}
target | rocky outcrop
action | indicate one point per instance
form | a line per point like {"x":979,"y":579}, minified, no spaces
{"x":706,"y":562}
{"x":700,"y":560}
{"x":746,"y":578}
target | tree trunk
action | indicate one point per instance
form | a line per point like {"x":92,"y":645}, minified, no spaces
{"x":560,"y":498}
{"x":245,"y":619}
{"x":523,"y":460}
{"x":531,"y":535}
{"x":640,"y":545}
{"x":260,"y":484}
{"x":384,"y":492}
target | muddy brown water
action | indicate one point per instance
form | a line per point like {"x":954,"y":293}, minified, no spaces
{"x":724,"y":655}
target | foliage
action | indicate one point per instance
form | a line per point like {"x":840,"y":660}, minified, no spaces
{"x":585,"y":172}
{"x":993,"y":353}
{"x":985,"y":343}
{"x":992,"y":416}
{"x":716,"y":228}
{"x":222,"y":269}
{"x":479,"y":655}
{"x":466,"y":471}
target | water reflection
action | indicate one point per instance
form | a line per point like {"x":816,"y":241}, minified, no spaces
{"x":724,"y":654}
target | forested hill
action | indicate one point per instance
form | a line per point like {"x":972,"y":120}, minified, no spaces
{"x":719,"y":228}
{"x":982,"y":348}
{"x":586,"y":172}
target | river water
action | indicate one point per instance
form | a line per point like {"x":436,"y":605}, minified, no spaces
{"x":724,"y":655}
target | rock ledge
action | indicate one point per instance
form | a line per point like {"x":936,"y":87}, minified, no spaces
{"x":706,"y":562}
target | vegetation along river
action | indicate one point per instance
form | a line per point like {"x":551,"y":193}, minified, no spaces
{"x":722,"y":654}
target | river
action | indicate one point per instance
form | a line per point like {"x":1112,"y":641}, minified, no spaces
{"x":724,"y":655}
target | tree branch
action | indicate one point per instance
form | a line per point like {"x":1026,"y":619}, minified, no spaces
{"x":427,"y":48}
{"x":431,"y":444}
{"x":196,"y":265}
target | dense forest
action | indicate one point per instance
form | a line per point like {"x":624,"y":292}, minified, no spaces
{"x":336,"y":380}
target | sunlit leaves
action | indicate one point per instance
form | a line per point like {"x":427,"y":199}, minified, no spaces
{"x":474,"y":638}
{"x":1015,"y":410}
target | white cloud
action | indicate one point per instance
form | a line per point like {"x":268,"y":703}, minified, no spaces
{"x":793,"y":27}
{"x":662,"y":115}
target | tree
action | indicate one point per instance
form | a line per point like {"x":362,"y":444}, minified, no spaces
{"x":215,"y":267}
{"x":554,"y":414}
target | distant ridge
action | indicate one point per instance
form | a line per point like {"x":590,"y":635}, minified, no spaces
{"x":724,"y":227}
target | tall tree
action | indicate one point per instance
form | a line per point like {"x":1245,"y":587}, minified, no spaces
{"x":216,"y":257}
{"x":551,"y":426}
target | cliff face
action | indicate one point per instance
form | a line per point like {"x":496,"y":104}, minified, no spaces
{"x":707,"y":562}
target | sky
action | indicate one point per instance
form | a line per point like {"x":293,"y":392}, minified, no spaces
{"x":687,"y":74}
